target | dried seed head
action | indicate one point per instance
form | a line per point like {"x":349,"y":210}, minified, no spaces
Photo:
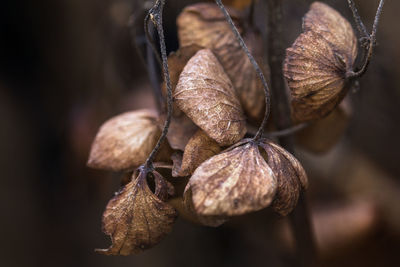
{"x":234,"y":182}
{"x":205,"y":25}
{"x":125,"y":141}
{"x":316,"y":64}
{"x":136,"y":218}
{"x":205,"y":93}
{"x":199,"y":148}
{"x":290,"y":175}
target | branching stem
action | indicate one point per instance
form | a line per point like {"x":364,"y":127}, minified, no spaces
{"x":155,"y":15}
{"x":255,"y":65}
{"x":371,"y":40}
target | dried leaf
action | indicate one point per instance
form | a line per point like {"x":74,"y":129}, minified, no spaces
{"x":136,"y":218}
{"x":125,"y":141}
{"x":199,"y":148}
{"x":290,"y":175}
{"x":205,"y":25}
{"x":234,"y":182}
{"x":205,"y":93}
{"x":316,"y":64}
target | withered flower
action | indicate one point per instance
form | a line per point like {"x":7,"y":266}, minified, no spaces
{"x":204,"y":24}
{"x":205,"y":93}
{"x":125,"y":141}
{"x":199,"y":148}
{"x":317,"y":63}
{"x":136,"y":218}
{"x":242,"y":179}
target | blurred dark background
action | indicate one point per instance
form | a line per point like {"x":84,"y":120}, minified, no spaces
{"x":68,"y":65}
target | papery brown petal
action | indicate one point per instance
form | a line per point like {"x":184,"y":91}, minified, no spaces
{"x":290,"y":175}
{"x":205,"y":25}
{"x":316,"y":64}
{"x":234,"y":182}
{"x":177,"y":163}
{"x":199,"y":148}
{"x":205,"y":93}
{"x":321,"y":135}
{"x":124,"y":141}
{"x":181,"y":129}
{"x":135,"y":218}
{"x":176,"y":62}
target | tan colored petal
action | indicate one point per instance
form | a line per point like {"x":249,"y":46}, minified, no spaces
{"x":205,"y":93}
{"x":316,"y":64}
{"x":136,"y":218}
{"x":199,"y":148}
{"x":234,"y":182}
{"x":290,"y":175}
{"x":180,"y":130}
{"x":124,"y":141}
{"x":205,"y":25}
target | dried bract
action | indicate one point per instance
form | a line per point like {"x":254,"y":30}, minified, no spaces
{"x":205,"y":93}
{"x":125,"y":141}
{"x":199,"y":148}
{"x":204,"y":24}
{"x":317,"y":63}
{"x":136,"y":218}
{"x":234,"y":182}
{"x":290,"y":175}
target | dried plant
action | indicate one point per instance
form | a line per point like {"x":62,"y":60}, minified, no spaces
{"x":211,"y":84}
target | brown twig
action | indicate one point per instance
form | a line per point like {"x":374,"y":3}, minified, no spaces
{"x":299,"y":218}
{"x":371,"y":45}
{"x":155,"y":15}
{"x":255,"y":65}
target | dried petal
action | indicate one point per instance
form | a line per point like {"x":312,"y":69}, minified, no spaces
{"x":180,"y":130}
{"x":205,"y":93}
{"x":205,"y":25}
{"x":176,"y":62}
{"x":125,"y":141}
{"x":234,"y":182}
{"x":290,"y":176}
{"x":316,"y":64}
{"x":200,"y":148}
{"x":136,"y":218}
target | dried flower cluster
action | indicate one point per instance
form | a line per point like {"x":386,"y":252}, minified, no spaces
{"x":216,"y":172}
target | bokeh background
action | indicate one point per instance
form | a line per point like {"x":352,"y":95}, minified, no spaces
{"x":68,"y":65}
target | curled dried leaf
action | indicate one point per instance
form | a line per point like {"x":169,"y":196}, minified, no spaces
{"x":317,"y":63}
{"x":234,"y":182}
{"x":125,"y":141}
{"x":204,"y":24}
{"x":205,"y":93}
{"x":136,"y":218}
{"x":199,"y":148}
{"x":290,"y":175}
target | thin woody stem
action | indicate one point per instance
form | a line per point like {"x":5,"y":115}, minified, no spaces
{"x":255,"y":65}
{"x":300,"y":216}
{"x":372,"y":41}
{"x":155,"y":14}
{"x":360,"y":25}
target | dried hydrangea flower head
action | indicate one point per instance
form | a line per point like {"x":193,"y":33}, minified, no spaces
{"x":137,"y":218}
{"x":204,"y":24}
{"x":247,"y":177}
{"x":317,"y":64}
